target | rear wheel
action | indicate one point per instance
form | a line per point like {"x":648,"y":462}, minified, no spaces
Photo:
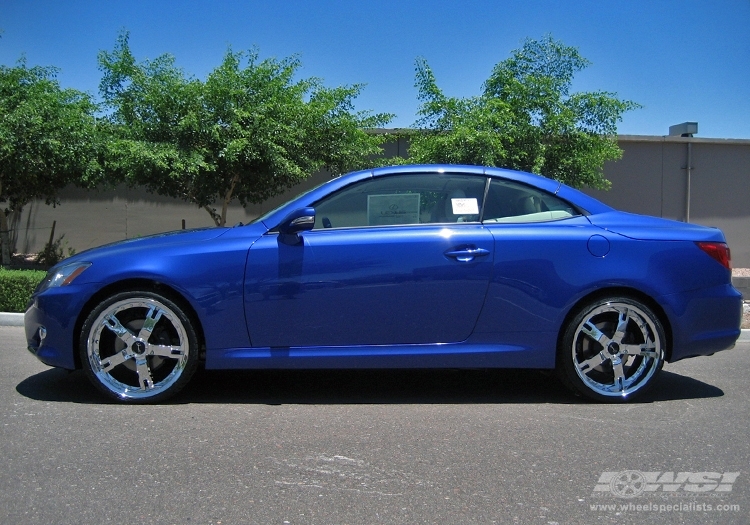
{"x":612,"y":350}
{"x":138,"y":347}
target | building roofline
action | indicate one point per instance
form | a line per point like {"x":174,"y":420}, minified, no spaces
{"x":668,"y":138}
{"x":620,"y":138}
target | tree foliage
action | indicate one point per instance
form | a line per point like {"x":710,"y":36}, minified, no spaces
{"x":526,"y":118}
{"x":48,"y":139}
{"x":248,"y":132}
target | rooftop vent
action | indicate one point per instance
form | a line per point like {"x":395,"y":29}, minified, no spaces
{"x":686,"y":129}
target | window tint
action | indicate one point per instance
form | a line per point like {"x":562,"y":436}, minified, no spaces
{"x":403,"y":199}
{"x":512,"y":202}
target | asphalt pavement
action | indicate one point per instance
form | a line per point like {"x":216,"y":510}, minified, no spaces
{"x":366,"y":447}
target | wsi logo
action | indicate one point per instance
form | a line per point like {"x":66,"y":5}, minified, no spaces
{"x":633,"y":483}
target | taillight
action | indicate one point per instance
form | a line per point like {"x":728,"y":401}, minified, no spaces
{"x":718,"y":251}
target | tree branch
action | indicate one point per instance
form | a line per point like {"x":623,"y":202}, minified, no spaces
{"x":212,"y":212}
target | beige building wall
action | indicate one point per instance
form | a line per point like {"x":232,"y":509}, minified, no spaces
{"x":651,"y":178}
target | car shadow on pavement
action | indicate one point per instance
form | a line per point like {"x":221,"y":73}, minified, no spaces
{"x":278,"y":387}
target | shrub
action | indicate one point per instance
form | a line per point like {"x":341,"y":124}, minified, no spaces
{"x":55,"y":252}
{"x":16,"y":287}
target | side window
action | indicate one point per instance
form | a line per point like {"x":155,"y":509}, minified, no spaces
{"x":512,"y":202}
{"x":403,"y":199}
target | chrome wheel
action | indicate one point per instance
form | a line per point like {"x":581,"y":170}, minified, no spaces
{"x":612,"y":350}
{"x":139,"y":346}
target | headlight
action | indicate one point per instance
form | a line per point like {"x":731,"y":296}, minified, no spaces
{"x":63,"y":275}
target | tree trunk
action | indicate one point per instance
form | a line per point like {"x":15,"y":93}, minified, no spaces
{"x":4,"y":235}
{"x":212,"y":212}
{"x":228,"y":199}
{"x":4,"y":239}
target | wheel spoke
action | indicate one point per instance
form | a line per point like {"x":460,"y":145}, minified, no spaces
{"x":174,"y":352}
{"x":108,"y":363}
{"x":144,"y":374}
{"x":120,"y":331}
{"x":149,"y":323}
{"x":593,"y":362}
{"x":646,"y":350}
{"x":617,"y":368}
{"x":622,"y":326}
{"x":594,"y":333}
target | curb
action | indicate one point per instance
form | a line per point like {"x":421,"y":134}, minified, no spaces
{"x":8,"y":319}
{"x":742,"y":284}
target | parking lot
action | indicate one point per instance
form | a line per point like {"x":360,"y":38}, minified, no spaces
{"x":365,"y":447}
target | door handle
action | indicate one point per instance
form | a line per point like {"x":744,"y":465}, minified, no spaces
{"x":467,"y":254}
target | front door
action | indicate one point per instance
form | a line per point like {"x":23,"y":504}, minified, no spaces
{"x":363,"y":278}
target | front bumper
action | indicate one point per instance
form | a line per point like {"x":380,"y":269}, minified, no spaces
{"x":50,"y":322}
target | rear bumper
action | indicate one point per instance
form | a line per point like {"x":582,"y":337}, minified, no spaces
{"x":703,"y":321}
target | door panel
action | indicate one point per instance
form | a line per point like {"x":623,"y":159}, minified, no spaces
{"x":368,"y":286}
{"x":538,"y":269}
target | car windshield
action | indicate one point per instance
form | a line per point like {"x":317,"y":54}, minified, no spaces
{"x":274,"y":210}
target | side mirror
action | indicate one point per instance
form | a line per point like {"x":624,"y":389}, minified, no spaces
{"x":300,"y":220}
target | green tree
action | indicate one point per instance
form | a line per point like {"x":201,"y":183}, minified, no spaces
{"x":248,"y":132}
{"x":48,"y":139}
{"x":526,"y":118}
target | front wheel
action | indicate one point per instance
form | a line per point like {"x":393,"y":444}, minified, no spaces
{"x":138,"y":347}
{"x":612,"y":350}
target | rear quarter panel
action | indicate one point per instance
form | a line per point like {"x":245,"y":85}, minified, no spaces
{"x":543,"y":271}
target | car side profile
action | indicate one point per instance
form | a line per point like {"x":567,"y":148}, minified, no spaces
{"x":434,"y":266}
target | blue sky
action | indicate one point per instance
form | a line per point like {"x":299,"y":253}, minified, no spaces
{"x":683,"y":60}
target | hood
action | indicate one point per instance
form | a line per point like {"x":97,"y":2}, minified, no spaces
{"x":646,"y":228}
{"x":156,"y":241}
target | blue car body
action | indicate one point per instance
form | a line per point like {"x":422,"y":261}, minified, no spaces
{"x":399,"y":296}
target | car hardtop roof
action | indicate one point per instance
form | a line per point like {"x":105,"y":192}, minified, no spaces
{"x":576,"y":197}
{"x":519,"y":176}
{"x":580,"y":199}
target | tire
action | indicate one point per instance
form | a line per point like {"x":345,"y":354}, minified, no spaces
{"x":138,"y":347}
{"x":612,"y":350}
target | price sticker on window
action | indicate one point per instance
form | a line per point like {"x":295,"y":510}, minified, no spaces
{"x":465,"y":206}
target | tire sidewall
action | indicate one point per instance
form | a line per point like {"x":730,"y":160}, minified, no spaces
{"x":566,"y":368}
{"x":187,"y":325}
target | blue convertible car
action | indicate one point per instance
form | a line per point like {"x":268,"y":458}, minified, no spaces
{"x":402,"y":267}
